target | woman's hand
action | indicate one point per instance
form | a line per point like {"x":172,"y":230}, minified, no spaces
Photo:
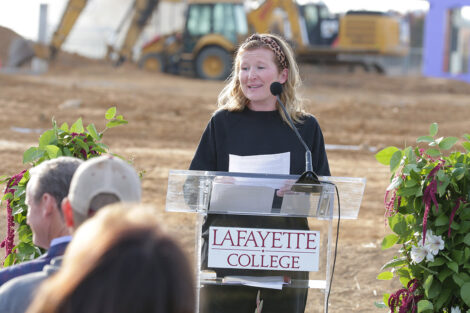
{"x":287,"y":187}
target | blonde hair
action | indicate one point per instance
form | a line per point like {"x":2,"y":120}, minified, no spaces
{"x":231,"y":98}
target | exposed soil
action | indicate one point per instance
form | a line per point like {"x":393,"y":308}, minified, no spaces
{"x":167,"y":115}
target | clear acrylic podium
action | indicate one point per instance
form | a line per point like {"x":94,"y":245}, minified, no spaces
{"x":254,"y":241}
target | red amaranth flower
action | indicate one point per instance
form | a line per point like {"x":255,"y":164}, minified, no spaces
{"x":404,"y":299}
{"x":7,"y":243}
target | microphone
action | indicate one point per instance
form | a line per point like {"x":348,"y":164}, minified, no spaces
{"x":309,"y":176}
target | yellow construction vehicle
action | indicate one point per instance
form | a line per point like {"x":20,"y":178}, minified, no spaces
{"x":320,"y":37}
{"x":205,"y":47}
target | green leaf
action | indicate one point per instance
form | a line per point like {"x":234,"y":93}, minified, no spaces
{"x":406,"y":192}
{"x":424,"y":306}
{"x":394,"y":263}
{"x":47,"y":138}
{"x":404,"y":280}
{"x":7,"y":196}
{"x":466,"y":239}
{"x":389,"y":241}
{"x":443,"y":297}
{"x":110,"y":113}
{"x":77,"y":127}
{"x":467,"y":136}
{"x":448,"y":143}
{"x":434,"y":289}
{"x":465,"y":293}
{"x":466,"y":145}
{"x":437,"y":262}
{"x":53,"y":151}
{"x":380,"y":305}
{"x":441,"y":220}
{"x":115,"y":123}
{"x":92,"y":131}
{"x":458,"y":173}
{"x":385,"y":276}
{"x":396,"y":160}
{"x":433,"y":129}
{"x":425,"y":139}
{"x":453,"y":266}
{"x":384,"y":155}
{"x":64,"y":127}
{"x":444,"y":273}
{"x":10,"y":260}
{"x":398,"y":224}
{"x":32,"y":155}
{"x":433,"y":152}
{"x":427,"y":285}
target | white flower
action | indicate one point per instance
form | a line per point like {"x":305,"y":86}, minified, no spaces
{"x":434,"y":243}
{"x":455,"y":309}
{"x":418,"y":253}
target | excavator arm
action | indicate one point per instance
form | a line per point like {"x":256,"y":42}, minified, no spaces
{"x":23,"y":51}
{"x":261,"y":19}
{"x":71,"y":13}
{"x":141,"y":12}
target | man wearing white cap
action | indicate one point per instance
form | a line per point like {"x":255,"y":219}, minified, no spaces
{"x":96,"y":183}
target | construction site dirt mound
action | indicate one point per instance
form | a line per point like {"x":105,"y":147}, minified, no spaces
{"x":6,"y":37}
{"x":63,"y":61}
{"x":359,"y":114}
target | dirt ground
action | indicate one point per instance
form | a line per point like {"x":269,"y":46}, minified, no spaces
{"x":167,"y":115}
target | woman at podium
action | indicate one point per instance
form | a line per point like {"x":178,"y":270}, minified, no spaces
{"x":250,"y":133}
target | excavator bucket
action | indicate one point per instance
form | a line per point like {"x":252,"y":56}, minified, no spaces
{"x":20,"y":52}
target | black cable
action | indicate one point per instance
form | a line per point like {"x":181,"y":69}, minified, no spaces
{"x":336,"y":244}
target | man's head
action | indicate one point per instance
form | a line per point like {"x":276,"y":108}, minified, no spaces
{"x":48,"y":184}
{"x":99,"y":182}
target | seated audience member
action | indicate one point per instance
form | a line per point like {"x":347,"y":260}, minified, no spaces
{"x":48,"y":185}
{"x":119,"y":262}
{"x":97,"y":182}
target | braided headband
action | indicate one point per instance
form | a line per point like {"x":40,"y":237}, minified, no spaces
{"x":272,"y":45}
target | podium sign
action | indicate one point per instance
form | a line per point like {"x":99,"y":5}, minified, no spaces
{"x":263,"y":249}
{"x":250,"y":237}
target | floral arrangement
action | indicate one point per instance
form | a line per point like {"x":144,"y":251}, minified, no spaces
{"x":76,"y":141}
{"x":428,"y":209}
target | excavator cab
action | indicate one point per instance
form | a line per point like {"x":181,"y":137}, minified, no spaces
{"x":205,"y":47}
{"x":321,"y":26}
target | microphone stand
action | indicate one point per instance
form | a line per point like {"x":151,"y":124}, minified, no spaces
{"x":308,"y":177}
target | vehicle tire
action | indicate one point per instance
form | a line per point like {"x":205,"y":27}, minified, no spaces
{"x":152,"y":62}
{"x":213,"y":63}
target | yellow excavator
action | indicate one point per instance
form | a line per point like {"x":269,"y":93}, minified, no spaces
{"x":140,"y":12}
{"x":320,"y":37}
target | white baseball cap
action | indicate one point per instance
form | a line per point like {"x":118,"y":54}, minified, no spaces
{"x":104,"y":174}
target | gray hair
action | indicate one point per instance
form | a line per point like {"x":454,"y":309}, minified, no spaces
{"x":52,"y":177}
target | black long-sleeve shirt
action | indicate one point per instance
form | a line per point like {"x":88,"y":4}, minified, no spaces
{"x":258,"y":133}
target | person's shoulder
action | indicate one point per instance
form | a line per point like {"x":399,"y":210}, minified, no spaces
{"x":20,"y":282}
{"x":35,"y":265}
{"x":309,"y":120}
{"x":223,"y":115}
{"x":16,"y":294}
